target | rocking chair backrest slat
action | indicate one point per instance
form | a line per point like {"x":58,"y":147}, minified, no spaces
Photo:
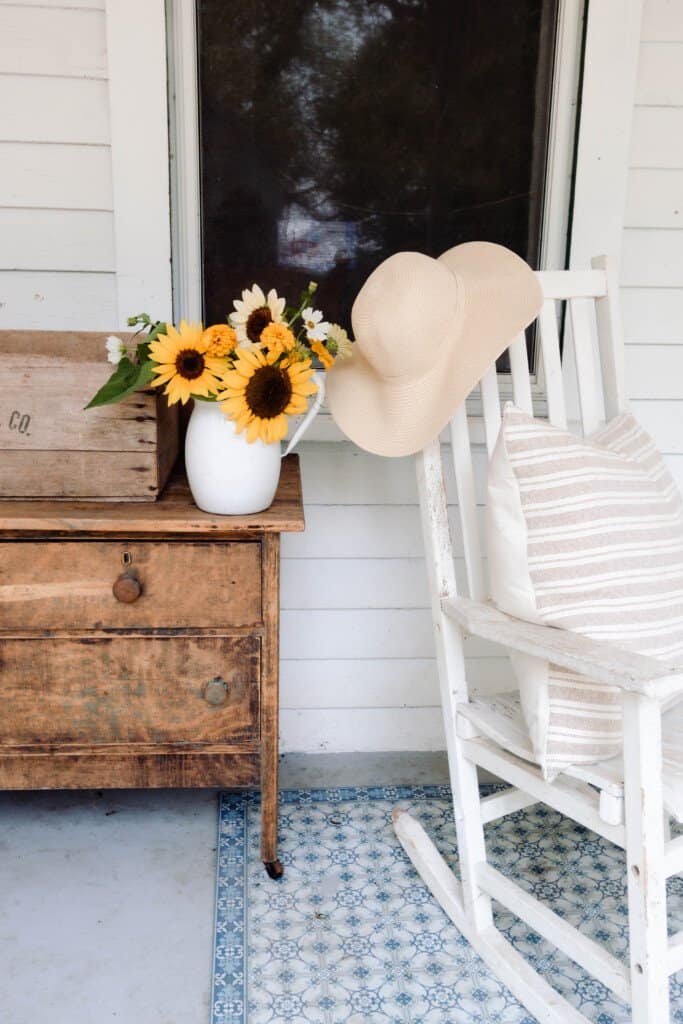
{"x":610,"y":341}
{"x":490,"y":403}
{"x":519,"y":368}
{"x":461,"y":450}
{"x":587,"y":369}
{"x":552,"y":364}
{"x":582,"y":290}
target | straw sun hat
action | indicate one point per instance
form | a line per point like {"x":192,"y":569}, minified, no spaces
{"x":426,"y":330}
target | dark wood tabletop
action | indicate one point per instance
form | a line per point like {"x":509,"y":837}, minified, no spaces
{"x":174,"y":514}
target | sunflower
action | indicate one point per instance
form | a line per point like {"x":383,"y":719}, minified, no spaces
{"x":221,"y":339}
{"x":278,"y":338}
{"x":184,"y":365}
{"x":253,"y":312}
{"x":325,"y":357}
{"x":261,"y":393}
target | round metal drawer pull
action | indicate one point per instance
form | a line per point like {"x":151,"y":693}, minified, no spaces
{"x":127,"y":588}
{"x":216,"y":691}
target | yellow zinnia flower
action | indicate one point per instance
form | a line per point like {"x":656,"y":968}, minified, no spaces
{"x":261,"y":393}
{"x":278,"y":339}
{"x":184,"y":365}
{"x":323,"y":355}
{"x":221,"y":339}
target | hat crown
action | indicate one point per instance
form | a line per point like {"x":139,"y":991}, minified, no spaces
{"x":405,"y":312}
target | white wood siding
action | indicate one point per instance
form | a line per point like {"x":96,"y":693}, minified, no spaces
{"x":84,"y":217}
{"x":652,"y":248}
{"x":57,"y":257}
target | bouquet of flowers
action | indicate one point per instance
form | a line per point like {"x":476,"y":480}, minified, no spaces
{"x":258,"y":365}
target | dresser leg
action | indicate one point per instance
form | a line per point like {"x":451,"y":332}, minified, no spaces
{"x":270,"y":704}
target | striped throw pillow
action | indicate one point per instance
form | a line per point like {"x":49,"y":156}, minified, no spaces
{"x":585,"y":534}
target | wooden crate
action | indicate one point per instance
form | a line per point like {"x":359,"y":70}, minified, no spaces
{"x":50,"y":447}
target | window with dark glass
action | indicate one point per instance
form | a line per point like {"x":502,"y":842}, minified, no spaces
{"x":336,"y":132}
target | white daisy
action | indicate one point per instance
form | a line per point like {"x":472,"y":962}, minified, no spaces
{"x":253,"y":312}
{"x":339,"y":336}
{"x":116,"y":350}
{"x":316,"y":328}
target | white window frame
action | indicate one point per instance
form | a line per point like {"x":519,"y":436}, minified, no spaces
{"x":595,"y":180}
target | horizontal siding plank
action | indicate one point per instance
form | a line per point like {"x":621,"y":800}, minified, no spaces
{"x":374,"y":633}
{"x":653,"y":315}
{"x":652,"y":258}
{"x":354,"y":583}
{"x":370,"y":633}
{"x":675,"y":465}
{"x":61,"y":302}
{"x":361,"y":531}
{"x":657,"y":137}
{"x":345,"y":475}
{"x":358,"y":582}
{"x":55,"y":176}
{"x":361,"y":729}
{"x":654,"y":199}
{"x":56,"y":240}
{"x":53,"y":41}
{"x":381,"y":683}
{"x":654,"y":372}
{"x":660,"y":82}
{"x":664,"y":421}
{"x":44,"y":109}
{"x":662,"y":21}
{"x":364,"y":531}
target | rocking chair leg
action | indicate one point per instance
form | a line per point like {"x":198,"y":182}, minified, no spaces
{"x":466,"y":804}
{"x":645,"y":859}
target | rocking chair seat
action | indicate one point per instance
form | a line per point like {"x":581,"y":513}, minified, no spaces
{"x":499,"y":718}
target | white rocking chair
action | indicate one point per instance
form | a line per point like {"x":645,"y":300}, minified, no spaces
{"x":623,"y":804}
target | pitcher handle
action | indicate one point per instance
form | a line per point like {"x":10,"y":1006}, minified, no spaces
{"x":319,"y":379}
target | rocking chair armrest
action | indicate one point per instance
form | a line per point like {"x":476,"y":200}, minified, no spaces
{"x":604,"y":662}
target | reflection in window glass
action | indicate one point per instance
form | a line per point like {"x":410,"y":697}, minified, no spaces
{"x":335,"y":132}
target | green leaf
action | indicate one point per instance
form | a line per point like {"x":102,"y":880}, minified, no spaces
{"x":118,"y":385}
{"x":127,"y":378}
{"x":143,"y":352}
{"x":156,"y":329}
{"x":145,"y":375}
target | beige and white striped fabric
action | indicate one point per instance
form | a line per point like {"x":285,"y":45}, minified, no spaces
{"x":601,"y":524}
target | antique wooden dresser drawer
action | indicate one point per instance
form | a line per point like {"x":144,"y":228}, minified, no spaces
{"x":130,"y":689}
{"x":129,"y":585}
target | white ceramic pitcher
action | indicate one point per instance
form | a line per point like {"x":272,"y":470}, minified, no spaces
{"x":229,"y":476}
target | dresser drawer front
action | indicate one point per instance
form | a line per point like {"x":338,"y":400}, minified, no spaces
{"x":201,"y":689}
{"x":70,"y":584}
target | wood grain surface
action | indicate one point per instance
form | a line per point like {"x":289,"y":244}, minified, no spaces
{"x":128,"y":767}
{"x":52,"y":447}
{"x":175,"y":514}
{"x":128,"y":689}
{"x":68,"y":584}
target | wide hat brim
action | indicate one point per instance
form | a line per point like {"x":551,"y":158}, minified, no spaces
{"x":498,"y":296}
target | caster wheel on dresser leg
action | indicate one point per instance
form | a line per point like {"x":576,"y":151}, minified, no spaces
{"x":274,"y":869}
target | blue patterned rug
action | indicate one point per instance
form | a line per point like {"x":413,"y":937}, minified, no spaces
{"x":351,"y":935}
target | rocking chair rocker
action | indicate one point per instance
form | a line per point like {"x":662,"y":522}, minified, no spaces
{"x":625,"y":801}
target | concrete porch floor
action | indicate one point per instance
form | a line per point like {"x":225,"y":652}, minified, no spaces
{"x":107,"y":898}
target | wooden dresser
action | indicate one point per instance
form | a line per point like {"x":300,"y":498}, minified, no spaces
{"x":139,"y":645}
